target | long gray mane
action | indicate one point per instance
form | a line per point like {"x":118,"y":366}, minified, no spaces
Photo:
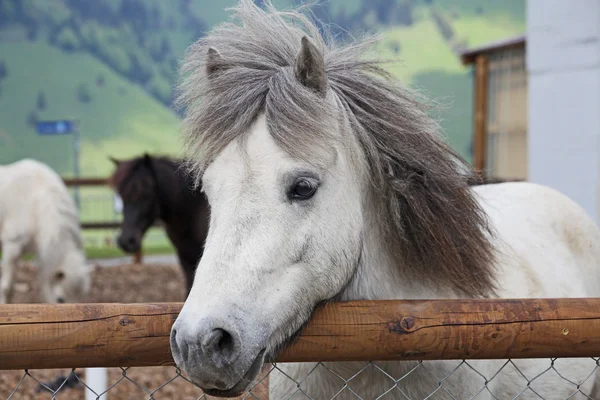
{"x":245,"y":67}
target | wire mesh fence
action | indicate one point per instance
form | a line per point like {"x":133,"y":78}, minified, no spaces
{"x":555,"y":378}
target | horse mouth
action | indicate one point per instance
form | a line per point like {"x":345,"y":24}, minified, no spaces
{"x":241,"y":386}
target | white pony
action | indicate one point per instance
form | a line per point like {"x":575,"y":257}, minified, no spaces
{"x":328,"y":181}
{"x":37,"y":214}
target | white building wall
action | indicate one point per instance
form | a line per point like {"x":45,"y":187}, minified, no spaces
{"x":563,"y":62}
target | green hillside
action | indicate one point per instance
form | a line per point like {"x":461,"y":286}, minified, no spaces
{"x":427,"y":61}
{"x":112,"y":65}
{"x":115,"y":117}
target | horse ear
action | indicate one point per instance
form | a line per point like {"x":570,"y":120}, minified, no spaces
{"x":114,"y":160}
{"x":310,"y":67}
{"x":214,"y":61}
{"x":147,"y":159}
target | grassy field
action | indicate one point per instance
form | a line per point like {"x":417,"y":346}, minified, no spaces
{"x":93,"y":252}
{"x":99,"y":252}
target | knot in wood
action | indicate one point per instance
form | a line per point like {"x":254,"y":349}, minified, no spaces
{"x":124,"y":321}
{"x":407,"y":323}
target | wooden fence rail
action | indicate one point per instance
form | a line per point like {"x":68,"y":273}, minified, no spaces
{"x":86,"y":181}
{"x":38,"y":336}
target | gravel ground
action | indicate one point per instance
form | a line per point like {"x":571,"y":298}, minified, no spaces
{"x":127,"y":283}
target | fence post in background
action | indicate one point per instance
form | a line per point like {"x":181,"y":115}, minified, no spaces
{"x":97,"y":380}
{"x":137,"y":258}
{"x":76,"y":151}
{"x":481,"y":94}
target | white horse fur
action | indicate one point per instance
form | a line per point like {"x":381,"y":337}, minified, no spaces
{"x":309,"y":202}
{"x":37,"y":214}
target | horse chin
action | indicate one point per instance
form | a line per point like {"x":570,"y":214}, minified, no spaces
{"x":243,"y":384}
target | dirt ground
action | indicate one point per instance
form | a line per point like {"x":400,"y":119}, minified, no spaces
{"x":130,"y":283}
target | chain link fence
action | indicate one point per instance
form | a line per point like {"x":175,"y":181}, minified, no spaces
{"x":555,"y":379}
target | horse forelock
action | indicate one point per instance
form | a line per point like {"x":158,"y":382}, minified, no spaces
{"x":438,"y":229}
{"x":133,"y":179}
{"x":128,"y":182}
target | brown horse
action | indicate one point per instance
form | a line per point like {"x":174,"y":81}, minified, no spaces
{"x":156,"y":189}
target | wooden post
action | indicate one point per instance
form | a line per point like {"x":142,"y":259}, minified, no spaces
{"x":137,"y":257}
{"x":39,"y":336}
{"x":481,"y":109}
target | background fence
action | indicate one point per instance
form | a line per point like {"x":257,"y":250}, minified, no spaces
{"x":101,"y":219}
{"x":129,"y":338}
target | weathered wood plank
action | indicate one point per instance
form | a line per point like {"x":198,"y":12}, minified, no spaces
{"x":37,"y":336}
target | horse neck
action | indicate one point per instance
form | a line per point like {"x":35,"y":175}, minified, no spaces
{"x":166,"y":186}
{"x":55,"y":233}
{"x":378,"y":275}
{"x":54,"y":249}
{"x":174,"y":194}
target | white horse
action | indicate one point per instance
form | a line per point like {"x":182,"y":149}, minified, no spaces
{"x":37,"y":214}
{"x":328,"y":181}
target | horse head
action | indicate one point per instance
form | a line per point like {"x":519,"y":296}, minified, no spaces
{"x":315,"y":165}
{"x":135,"y":182}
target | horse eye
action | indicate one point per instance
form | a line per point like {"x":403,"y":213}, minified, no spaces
{"x":303,"y":189}
{"x":59,"y":276}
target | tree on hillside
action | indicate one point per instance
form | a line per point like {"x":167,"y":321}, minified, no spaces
{"x":134,"y":11}
{"x":139,"y":72}
{"x":3,"y":70}
{"x":160,"y":89}
{"x":67,"y":39}
{"x":394,"y":45}
{"x":7,"y":11}
{"x":100,"y":80}
{"x":32,"y":31}
{"x":442,"y":23}
{"x":32,"y":118}
{"x":160,"y":49}
{"x":41,"y":100}
{"x":171,"y":24}
{"x":155,"y":18}
{"x":403,"y":13}
{"x":101,"y":11}
{"x":382,"y":9}
{"x":165,"y":47}
{"x":83,"y":93}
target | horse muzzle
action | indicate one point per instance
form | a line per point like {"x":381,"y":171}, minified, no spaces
{"x":215,"y":357}
{"x":129,"y":243}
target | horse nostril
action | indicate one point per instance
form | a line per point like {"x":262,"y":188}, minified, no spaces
{"x":220,"y":346}
{"x":174,"y":345}
{"x":179,"y":352}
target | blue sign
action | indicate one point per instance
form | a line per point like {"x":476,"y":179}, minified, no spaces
{"x":55,"y":127}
